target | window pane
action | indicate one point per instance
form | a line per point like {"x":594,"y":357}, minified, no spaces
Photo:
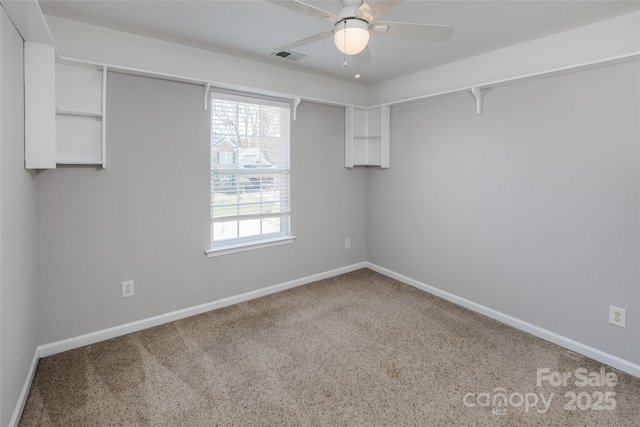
{"x":274,"y":153}
{"x":225,"y":230}
{"x":250,"y":227}
{"x":271,"y":225}
{"x":225,"y":196}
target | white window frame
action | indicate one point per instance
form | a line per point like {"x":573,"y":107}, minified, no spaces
{"x":240,"y":244}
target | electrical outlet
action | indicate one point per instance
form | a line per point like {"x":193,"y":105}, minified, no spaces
{"x":618,"y":316}
{"x":127,"y":289}
{"x":347,"y":244}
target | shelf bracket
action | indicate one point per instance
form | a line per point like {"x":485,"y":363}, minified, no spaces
{"x":477,"y":92}
{"x":296,"y":104}
{"x":207,"y":86}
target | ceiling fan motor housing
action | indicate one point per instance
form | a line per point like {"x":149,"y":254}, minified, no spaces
{"x":351,"y":35}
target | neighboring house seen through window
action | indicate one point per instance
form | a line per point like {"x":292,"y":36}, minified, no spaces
{"x":249,"y":171}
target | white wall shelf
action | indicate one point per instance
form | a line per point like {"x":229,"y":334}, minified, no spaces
{"x":80,"y":113}
{"x":367,"y":136}
{"x":39,"y":106}
{"x":480,"y":85}
{"x":477,"y":90}
{"x":65,"y":110}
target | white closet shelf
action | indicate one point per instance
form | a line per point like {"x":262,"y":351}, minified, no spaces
{"x":68,"y":112}
{"x":80,"y":113}
{"x":78,"y":162}
{"x":367,"y":137}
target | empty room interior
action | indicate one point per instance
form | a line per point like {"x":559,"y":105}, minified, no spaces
{"x":319,"y":213}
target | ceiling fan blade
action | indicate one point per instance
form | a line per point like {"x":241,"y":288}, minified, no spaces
{"x":364,"y":57}
{"x":305,"y":41}
{"x":372,"y":9}
{"x":424,"y":32}
{"x":306,"y":9}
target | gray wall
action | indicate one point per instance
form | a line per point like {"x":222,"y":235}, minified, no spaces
{"x":17,"y":216}
{"x":146,"y":217}
{"x":531,"y":208}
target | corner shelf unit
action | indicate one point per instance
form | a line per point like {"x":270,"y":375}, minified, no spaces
{"x":367,"y":136}
{"x":80,"y":113}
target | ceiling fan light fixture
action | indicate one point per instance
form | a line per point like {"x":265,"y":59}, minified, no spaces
{"x":351,"y":36}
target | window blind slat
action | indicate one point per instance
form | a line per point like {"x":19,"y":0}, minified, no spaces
{"x":245,"y":217}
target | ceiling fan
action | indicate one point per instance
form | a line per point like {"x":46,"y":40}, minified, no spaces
{"x":356,"y":21}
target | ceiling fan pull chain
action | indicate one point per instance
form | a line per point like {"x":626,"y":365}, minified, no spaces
{"x":344,"y":55}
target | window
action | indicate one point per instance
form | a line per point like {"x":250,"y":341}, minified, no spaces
{"x":249,"y":172}
{"x":226,"y":157}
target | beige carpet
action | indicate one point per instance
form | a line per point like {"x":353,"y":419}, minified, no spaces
{"x":359,"y":349}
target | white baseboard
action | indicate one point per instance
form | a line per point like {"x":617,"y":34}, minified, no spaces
{"x":591,"y":352}
{"x":24,"y":393}
{"x":116,"y":331}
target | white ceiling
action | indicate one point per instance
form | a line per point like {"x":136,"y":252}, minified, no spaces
{"x":253,"y":28}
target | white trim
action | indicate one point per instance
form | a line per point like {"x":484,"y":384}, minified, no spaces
{"x":588,"y":351}
{"x":116,"y":331}
{"x":28,"y":19}
{"x":22,"y":399}
{"x":104,"y":116}
{"x":245,"y":246}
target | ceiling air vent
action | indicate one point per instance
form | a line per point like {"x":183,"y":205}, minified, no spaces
{"x":292,"y":56}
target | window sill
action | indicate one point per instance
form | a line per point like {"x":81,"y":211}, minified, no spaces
{"x":243,"y":247}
